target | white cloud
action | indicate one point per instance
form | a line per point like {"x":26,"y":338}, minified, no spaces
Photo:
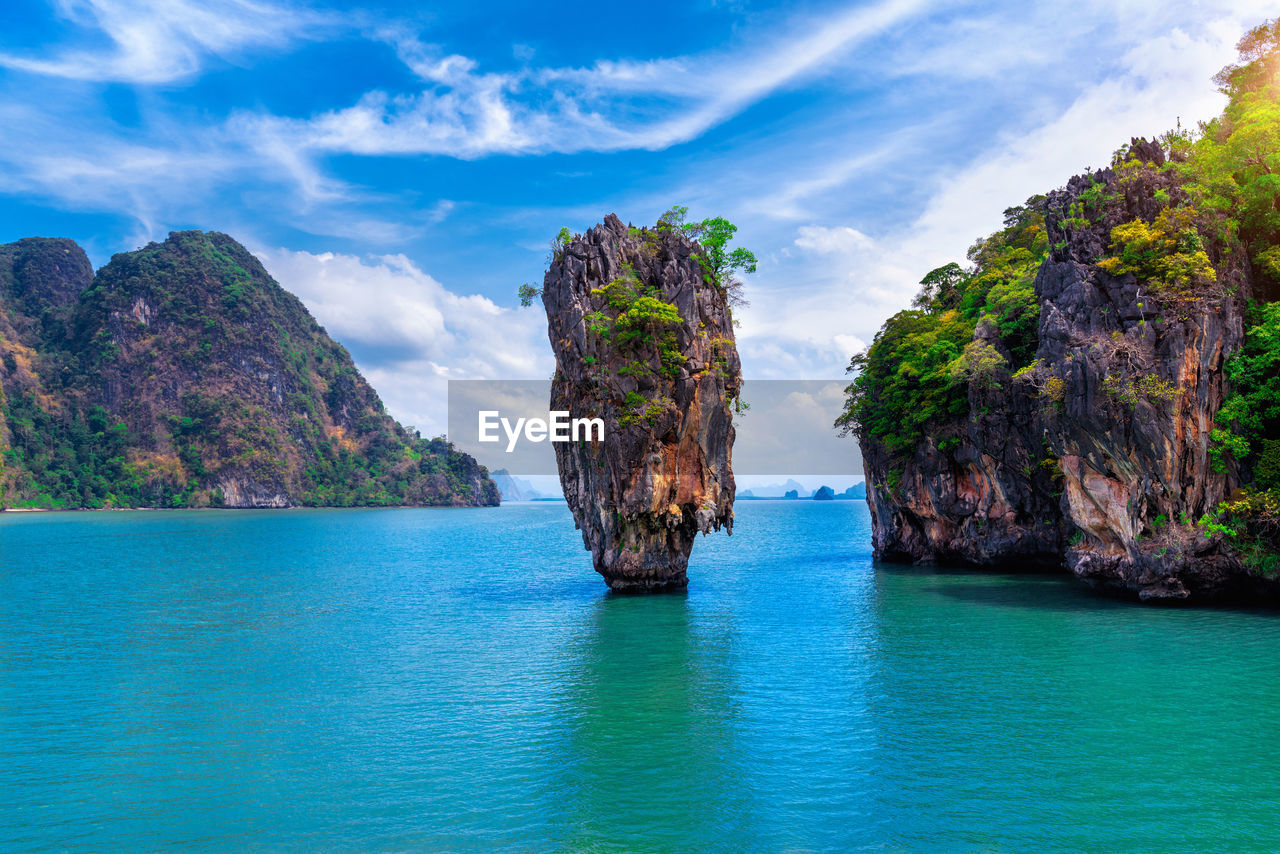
{"x":841,"y":240}
{"x":412,"y":334}
{"x":467,"y":113}
{"x":156,"y":42}
{"x":823,"y":288}
{"x":836,"y":284}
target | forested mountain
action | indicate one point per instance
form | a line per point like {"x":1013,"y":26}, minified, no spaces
{"x":183,"y":375}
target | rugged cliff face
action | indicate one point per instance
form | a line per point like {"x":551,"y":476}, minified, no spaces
{"x":1096,"y":455}
{"x":644,"y":340}
{"x":183,"y":375}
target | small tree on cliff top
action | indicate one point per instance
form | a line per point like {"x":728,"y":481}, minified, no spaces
{"x":721,"y":264}
{"x":1259,"y":60}
{"x":528,"y":293}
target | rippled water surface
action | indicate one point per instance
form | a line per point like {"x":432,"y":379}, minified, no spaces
{"x":459,"y":679}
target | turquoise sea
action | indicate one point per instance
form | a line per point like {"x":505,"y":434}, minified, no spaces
{"x":421,"y":680}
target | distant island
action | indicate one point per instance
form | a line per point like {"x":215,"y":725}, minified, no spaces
{"x":794,"y":490}
{"x":183,"y":375}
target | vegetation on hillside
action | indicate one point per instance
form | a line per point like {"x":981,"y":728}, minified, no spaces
{"x":184,"y":369}
{"x":916,"y":372}
{"x":1232,"y":167}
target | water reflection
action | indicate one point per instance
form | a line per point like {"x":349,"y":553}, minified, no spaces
{"x":649,"y":745}
{"x":1027,"y":708}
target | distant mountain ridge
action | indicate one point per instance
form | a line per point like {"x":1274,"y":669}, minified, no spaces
{"x":183,"y":375}
{"x":793,"y":489}
{"x":515,"y":488}
{"x":775,"y":490}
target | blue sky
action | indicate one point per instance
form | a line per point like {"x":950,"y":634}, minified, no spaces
{"x":402,"y":167}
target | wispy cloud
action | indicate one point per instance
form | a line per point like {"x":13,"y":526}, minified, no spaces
{"x":158,"y":42}
{"x":609,"y":106}
{"x":853,"y":280}
{"x":462,"y":112}
{"x":890,"y":135}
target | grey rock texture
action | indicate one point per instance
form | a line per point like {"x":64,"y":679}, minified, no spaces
{"x":1084,"y":479}
{"x":663,"y":472}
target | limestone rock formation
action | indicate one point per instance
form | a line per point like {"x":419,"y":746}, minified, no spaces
{"x":644,"y":340}
{"x":183,"y":375}
{"x":1096,"y":458}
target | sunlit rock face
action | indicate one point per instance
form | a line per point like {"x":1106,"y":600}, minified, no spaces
{"x":644,"y":341}
{"x":1107,"y":476}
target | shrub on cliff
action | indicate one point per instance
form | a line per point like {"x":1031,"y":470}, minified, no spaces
{"x":1249,"y":421}
{"x":916,"y":371}
{"x":1168,"y":254}
{"x":721,"y":265}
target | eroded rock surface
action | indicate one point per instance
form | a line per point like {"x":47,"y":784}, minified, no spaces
{"x":1106,"y":475}
{"x":663,"y":379}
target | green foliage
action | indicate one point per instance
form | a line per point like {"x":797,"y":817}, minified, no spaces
{"x":675,"y":219}
{"x":1251,"y":521}
{"x":1146,"y":387}
{"x":1266,"y":471}
{"x":598,"y":323}
{"x":942,"y":288}
{"x":1250,"y":415}
{"x":1169,"y":254}
{"x":714,"y":235}
{"x":1087,"y":206}
{"x":72,"y":461}
{"x":904,"y":379}
{"x":643,"y":317}
{"x":640,"y":315}
{"x":1001,"y":287}
{"x":720,"y":265}
{"x":917,"y":370}
{"x":1258,"y":61}
{"x":639,"y":322}
{"x":1054,"y":390}
{"x":720,"y":349}
{"x":1231,"y":169}
{"x":637,"y":409}
{"x":559,"y":243}
{"x":528,"y":293}
{"x":978,"y":362}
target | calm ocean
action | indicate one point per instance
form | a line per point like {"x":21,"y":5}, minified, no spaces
{"x":461,"y":680}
